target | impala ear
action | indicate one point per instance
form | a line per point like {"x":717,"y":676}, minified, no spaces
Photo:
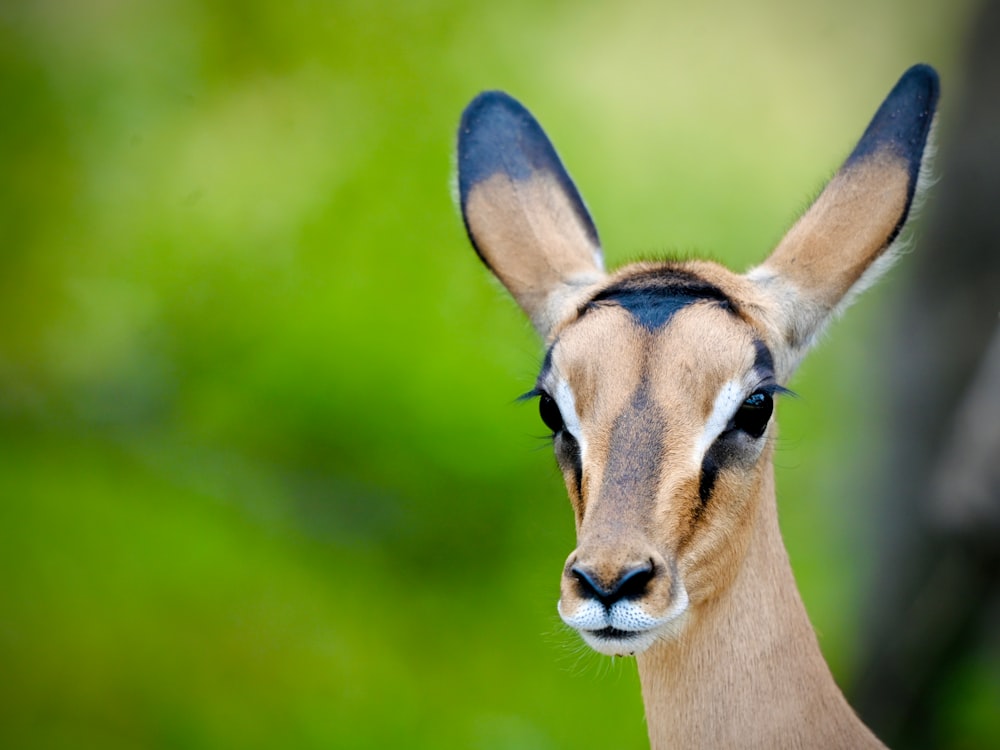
{"x":522,"y":212}
{"x":849,"y":236}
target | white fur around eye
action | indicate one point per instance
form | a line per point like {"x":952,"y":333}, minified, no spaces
{"x":563,"y":395}
{"x":727,"y":401}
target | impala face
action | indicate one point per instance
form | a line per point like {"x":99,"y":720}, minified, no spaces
{"x":659,"y":380}
{"x":659,"y":431}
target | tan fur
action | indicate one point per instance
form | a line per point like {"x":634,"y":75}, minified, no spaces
{"x":818,"y":267}
{"x":730,"y":659}
{"x":843,"y":232}
{"x":685,"y":369}
{"x":746,"y":669}
{"x":747,"y":672}
{"x":543,"y":257}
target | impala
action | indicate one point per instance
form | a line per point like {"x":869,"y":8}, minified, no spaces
{"x":658,"y":385}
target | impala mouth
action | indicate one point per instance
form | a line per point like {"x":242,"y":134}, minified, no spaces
{"x":625,"y":628}
{"x":616,"y":642}
{"x":614,"y":634}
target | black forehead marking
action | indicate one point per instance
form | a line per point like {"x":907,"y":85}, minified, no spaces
{"x":653,"y":297}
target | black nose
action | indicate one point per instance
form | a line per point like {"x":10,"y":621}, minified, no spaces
{"x":631,"y":583}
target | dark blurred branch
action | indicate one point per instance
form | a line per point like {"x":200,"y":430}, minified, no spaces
{"x":939,"y":570}
{"x":966,"y":483}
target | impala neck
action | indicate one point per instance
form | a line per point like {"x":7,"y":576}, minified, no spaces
{"x":747,"y":671}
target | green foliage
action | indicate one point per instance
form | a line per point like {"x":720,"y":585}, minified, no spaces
{"x":262,"y":479}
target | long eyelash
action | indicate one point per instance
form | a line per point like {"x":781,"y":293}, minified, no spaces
{"x":533,"y":393}
{"x":546,"y":442}
{"x":773,"y":389}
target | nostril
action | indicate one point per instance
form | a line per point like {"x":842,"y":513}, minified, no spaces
{"x":633,"y":583}
{"x":589,"y":586}
{"x":630,"y":584}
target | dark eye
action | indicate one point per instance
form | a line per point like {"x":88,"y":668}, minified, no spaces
{"x":549,"y":413}
{"x":753,"y":415}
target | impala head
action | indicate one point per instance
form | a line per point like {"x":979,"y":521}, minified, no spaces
{"x":659,"y":379}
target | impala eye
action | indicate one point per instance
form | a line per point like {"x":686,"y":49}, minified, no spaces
{"x":753,"y":415}
{"x":549,"y":412}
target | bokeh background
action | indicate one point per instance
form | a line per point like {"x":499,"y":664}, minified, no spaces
{"x":263,"y":479}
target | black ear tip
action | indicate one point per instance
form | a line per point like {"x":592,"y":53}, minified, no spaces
{"x":915,"y":95}
{"x":493,"y":128}
{"x":491,"y":101}
{"x":922,"y":82}
{"x":498,"y":135}
{"x":490,"y":113}
{"x":902,"y":124}
{"x":924,"y":74}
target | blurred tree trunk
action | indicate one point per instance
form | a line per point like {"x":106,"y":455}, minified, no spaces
{"x":938,"y":580}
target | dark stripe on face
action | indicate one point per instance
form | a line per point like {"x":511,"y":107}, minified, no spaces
{"x":763,"y":362}
{"x":572,"y":449}
{"x":718,"y":453}
{"x":546,"y":365}
{"x":654,"y":297}
{"x":706,"y":484}
{"x":632,"y":473}
{"x":723,"y":450}
{"x":709,"y":473}
{"x":717,"y":457}
{"x":763,"y":365}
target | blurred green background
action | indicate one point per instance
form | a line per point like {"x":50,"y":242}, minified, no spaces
{"x":263,"y":482}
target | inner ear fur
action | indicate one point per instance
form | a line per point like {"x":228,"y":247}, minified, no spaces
{"x":522,"y":212}
{"x":850,"y":234}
